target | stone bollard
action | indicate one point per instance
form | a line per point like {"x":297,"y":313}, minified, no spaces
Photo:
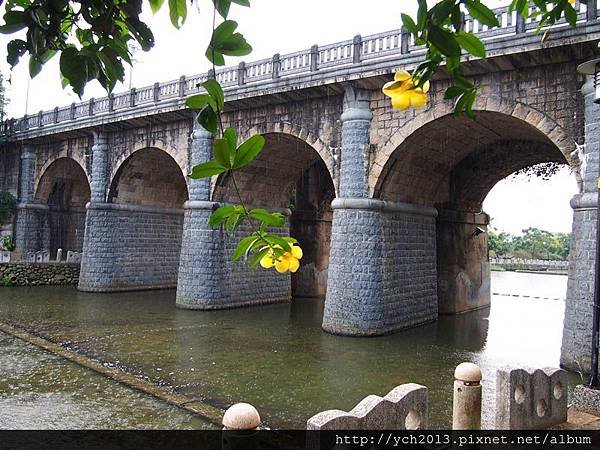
{"x":466,"y":410}
{"x":240,"y":424}
{"x":59,"y":254}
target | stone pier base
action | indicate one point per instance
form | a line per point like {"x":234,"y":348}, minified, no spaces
{"x":209,"y":279}
{"x":382,"y":267}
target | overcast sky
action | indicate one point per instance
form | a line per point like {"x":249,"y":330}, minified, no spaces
{"x":283,"y":26}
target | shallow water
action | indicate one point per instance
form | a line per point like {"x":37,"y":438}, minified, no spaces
{"x":277,"y":358}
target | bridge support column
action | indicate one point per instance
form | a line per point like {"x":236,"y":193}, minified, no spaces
{"x":31,"y":234}
{"x":463,"y":268}
{"x":577,"y":331}
{"x":382,"y":261}
{"x":201,"y":278}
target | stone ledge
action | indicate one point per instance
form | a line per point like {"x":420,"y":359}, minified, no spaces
{"x":133,"y":208}
{"x":374,"y":204}
{"x":587,"y":200}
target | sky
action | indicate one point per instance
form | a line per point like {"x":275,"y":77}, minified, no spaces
{"x":283,"y":26}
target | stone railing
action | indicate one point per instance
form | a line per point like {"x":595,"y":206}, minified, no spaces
{"x":531,"y":262}
{"x":379,"y":47}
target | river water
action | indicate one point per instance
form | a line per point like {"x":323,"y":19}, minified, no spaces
{"x":275,"y":357}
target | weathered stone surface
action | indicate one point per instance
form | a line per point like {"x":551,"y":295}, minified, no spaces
{"x":404,"y":408}
{"x":586,"y":399}
{"x":38,"y":274}
{"x":530,"y":399}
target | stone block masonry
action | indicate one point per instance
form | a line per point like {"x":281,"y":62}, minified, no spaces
{"x":131,"y":247}
{"x":382,"y":272}
{"x":38,"y":274}
{"x":209,"y":279}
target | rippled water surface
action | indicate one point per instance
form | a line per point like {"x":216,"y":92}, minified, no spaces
{"x":275,"y":357}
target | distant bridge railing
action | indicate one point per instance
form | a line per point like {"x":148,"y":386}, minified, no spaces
{"x":339,"y":55}
{"x":557,"y":264}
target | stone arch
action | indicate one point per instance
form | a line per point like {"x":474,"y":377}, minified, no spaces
{"x":149,"y":177}
{"x":64,"y":153}
{"x":180,"y":157}
{"x":291,"y":173}
{"x":64,"y":187}
{"x":524,"y":113}
{"x":286,"y":128}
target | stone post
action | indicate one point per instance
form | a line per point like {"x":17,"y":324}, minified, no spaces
{"x":99,"y":186}
{"x":577,"y":330}
{"x":466,"y":407}
{"x":240,"y":424}
{"x":202,"y":267}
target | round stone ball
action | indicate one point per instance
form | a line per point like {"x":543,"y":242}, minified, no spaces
{"x":468,"y":372}
{"x":241,"y":416}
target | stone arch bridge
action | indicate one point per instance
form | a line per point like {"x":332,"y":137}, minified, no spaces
{"x":384,"y":202}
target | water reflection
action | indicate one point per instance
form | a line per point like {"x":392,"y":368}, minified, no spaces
{"x":277,"y":357}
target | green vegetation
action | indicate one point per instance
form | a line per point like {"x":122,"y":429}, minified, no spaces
{"x":532,"y":244}
{"x":8,"y":205}
{"x":8,"y":243}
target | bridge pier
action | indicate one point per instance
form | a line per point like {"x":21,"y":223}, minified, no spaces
{"x":462,"y":265}
{"x":31,"y":234}
{"x":577,"y":331}
{"x":382,"y":274}
{"x":127,"y":245}
{"x":208,"y":278}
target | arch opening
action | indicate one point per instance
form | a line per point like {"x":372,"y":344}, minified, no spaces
{"x":452,"y":163}
{"x":149,"y":177}
{"x":64,"y":187}
{"x":290,"y":174}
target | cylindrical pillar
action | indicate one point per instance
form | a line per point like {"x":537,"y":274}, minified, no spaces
{"x":577,"y":330}
{"x":99,"y":185}
{"x":27,"y":226}
{"x":466,"y":407}
{"x":356,"y":125}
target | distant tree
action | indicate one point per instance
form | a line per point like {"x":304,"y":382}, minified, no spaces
{"x":533,"y":243}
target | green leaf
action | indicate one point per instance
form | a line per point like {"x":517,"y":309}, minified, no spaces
{"x":214,"y":89}
{"x":140,"y":32}
{"x":570,"y":14}
{"x":222,"y":7}
{"x":155,"y":5}
{"x":230,"y":137}
{"x":199,"y":101}
{"x":225,"y":42}
{"x":453,"y":91}
{"x":74,"y":68}
{"x":177,"y":12}
{"x":482,"y":13}
{"x":269,"y":219}
{"x":220,"y":214}
{"x":470,"y":43}
{"x":444,"y":41}
{"x":243,"y":247}
{"x":422,"y":14}
{"x":15,"y":49}
{"x":248,"y":151}
{"x":234,"y":221}
{"x":208,"y":119}
{"x":207,"y":169}
{"x":221,"y":153}
{"x":276,"y":240}
{"x":258,"y":256}
{"x":241,"y":2}
{"x":409,"y":23}
{"x":13,"y":22}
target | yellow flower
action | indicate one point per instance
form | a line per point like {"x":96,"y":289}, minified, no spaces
{"x":288,"y":261}
{"x":572,"y":2}
{"x":403,"y":92}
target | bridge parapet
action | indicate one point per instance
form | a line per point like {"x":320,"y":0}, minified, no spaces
{"x":378,"y":53}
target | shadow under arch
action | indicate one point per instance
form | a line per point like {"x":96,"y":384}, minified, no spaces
{"x":64,"y":187}
{"x":151,"y":177}
{"x":451,"y":163}
{"x":291,"y":174}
